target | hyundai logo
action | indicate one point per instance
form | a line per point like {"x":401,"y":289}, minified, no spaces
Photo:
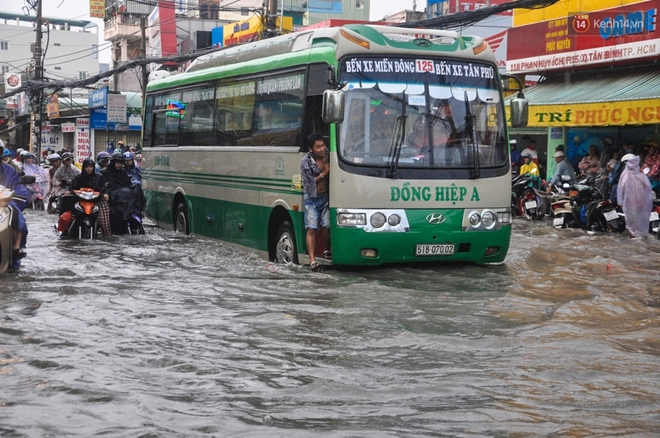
{"x":435,"y":219}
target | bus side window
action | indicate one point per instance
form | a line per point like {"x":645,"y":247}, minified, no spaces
{"x":235,"y":105}
{"x":278,"y":110}
{"x":197,"y":120}
{"x":148,"y":120}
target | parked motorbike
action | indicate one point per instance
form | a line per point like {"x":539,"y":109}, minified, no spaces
{"x":654,"y":220}
{"x":586,"y":209}
{"x":7,"y":261}
{"x":526,"y":200}
{"x":81,"y":220}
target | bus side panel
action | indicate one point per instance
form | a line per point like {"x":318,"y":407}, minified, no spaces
{"x":159,"y":205}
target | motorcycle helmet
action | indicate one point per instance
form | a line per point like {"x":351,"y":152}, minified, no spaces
{"x":103,"y":155}
{"x":117,"y":156}
{"x":6,"y":153}
{"x":54,"y":157}
{"x":627,"y":157}
{"x":128,"y":155}
{"x":67,"y":156}
{"x":26,"y":155}
{"x":528,"y":155}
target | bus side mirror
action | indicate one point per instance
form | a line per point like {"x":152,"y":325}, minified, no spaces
{"x":519,"y":112}
{"x":333,"y":106}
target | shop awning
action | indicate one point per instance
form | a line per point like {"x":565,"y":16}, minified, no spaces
{"x":600,"y":99}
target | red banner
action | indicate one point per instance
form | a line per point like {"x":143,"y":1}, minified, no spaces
{"x":582,"y":39}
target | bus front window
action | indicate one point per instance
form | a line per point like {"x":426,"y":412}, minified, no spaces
{"x":448,"y":122}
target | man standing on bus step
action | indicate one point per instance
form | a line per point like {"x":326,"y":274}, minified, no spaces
{"x":314,"y":170}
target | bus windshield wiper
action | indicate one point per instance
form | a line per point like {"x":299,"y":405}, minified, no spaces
{"x":473,"y":151}
{"x":397,"y":142}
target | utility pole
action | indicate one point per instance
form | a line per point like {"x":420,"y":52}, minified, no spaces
{"x":143,"y":29}
{"x":37,"y":101}
{"x":271,"y":14}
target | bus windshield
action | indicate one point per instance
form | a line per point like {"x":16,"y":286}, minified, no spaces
{"x":422,"y":113}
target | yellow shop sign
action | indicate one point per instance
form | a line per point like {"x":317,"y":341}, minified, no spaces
{"x":631,"y":112}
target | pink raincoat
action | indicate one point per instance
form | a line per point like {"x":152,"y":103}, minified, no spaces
{"x":636,"y":198}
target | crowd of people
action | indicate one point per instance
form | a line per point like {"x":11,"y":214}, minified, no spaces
{"x":628,"y":175}
{"x":116,"y":175}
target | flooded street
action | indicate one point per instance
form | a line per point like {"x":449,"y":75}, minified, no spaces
{"x":159,"y":336}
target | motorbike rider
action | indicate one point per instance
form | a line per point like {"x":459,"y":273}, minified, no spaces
{"x":563,"y":168}
{"x":102,"y":160}
{"x":40,"y":187}
{"x":9,"y":178}
{"x":55,"y":161}
{"x":134,"y":172}
{"x":90,"y":179}
{"x":126,"y":199}
{"x":66,"y":172}
{"x":529,"y":166}
{"x":6,"y":158}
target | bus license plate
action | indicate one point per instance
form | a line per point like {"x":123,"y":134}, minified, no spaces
{"x":654,"y":216}
{"x":611,"y":215}
{"x":558,"y":221}
{"x":432,"y":250}
{"x":530,"y":205}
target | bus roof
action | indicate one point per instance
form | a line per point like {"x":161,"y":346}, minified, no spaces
{"x":329,"y":44}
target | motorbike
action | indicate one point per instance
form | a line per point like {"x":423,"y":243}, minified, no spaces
{"x":81,"y":220}
{"x":654,"y":219}
{"x":586,"y":209}
{"x":7,"y":261}
{"x":526,"y":200}
{"x":126,"y":211}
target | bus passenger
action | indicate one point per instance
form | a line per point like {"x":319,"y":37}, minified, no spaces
{"x":314,"y":170}
{"x":264,"y":116}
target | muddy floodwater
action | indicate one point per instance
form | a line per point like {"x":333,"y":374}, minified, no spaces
{"x":166,"y":336}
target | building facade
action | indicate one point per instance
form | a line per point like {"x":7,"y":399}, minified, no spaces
{"x":599,"y":70}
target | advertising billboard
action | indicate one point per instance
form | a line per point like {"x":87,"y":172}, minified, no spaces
{"x":583,"y":39}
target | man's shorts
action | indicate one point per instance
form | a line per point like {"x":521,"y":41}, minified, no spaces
{"x":315,"y":208}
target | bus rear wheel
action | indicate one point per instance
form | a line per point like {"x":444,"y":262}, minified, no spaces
{"x":181,"y":219}
{"x":285,"y":244}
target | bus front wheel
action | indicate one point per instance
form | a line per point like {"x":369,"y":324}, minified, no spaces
{"x":285,"y":246}
{"x":181,"y":219}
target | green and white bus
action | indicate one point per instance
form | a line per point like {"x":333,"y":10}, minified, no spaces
{"x":222,"y":145}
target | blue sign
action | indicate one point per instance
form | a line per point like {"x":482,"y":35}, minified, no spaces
{"x":217,"y":37}
{"x":98,"y":119}
{"x":98,"y":98}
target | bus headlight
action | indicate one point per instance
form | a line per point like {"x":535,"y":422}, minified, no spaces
{"x":374,"y":221}
{"x":488,"y":218}
{"x":394,"y":220}
{"x":351,"y":219}
{"x":474,"y":219}
{"x":377,"y":220}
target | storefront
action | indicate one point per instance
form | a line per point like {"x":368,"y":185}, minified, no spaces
{"x":114,"y":118}
{"x":599,"y":74}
